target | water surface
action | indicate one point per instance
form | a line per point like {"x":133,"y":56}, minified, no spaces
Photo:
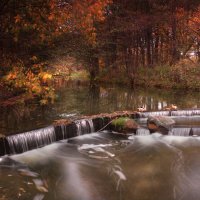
{"x":73,"y":101}
{"x":106,"y":166}
{"x":102,"y":166}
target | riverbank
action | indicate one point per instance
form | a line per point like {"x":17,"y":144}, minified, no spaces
{"x":184,"y":75}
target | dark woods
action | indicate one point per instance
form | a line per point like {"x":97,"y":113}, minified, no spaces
{"x":108,"y":37}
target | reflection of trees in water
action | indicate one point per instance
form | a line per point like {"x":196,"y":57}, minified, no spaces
{"x":93,"y":100}
{"x":94,"y":96}
{"x":21,"y":117}
{"x":112,"y":99}
{"x":11,"y":116}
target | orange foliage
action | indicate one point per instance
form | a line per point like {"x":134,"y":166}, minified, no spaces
{"x":82,"y":16}
{"x":194,"y":22}
{"x":18,"y":79}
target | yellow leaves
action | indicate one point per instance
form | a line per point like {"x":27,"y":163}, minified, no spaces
{"x":31,"y":83}
{"x":43,"y":101}
{"x":11,"y":76}
{"x":17,"y":19}
{"x":36,"y":88}
{"x":45,"y":76}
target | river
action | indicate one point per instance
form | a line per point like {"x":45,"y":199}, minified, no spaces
{"x":102,"y":166}
{"x":73,"y":101}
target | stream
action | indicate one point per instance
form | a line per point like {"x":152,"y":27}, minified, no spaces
{"x":102,"y":165}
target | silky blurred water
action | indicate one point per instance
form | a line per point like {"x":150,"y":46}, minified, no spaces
{"x":102,"y":166}
{"x":105,"y":166}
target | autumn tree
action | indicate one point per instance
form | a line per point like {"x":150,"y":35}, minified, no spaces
{"x":148,"y":33}
{"x":30,"y":28}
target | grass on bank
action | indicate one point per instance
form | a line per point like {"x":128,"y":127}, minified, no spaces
{"x":183,"y":75}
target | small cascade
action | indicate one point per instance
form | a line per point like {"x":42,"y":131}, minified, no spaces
{"x":185,"y":113}
{"x":142,"y":132}
{"x":65,"y":131}
{"x":196,"y":131}
{"x":30,"y":140}
{"x":187,"y":120}
{"x":84,"y":126}
{"x":158,"y":113}
{"x":90,"y":122}
{"x":181,"y":132}
{"x":187,"y":123}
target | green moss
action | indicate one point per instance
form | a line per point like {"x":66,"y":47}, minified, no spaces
{"x":182,"y":75}
{"x":120,"y":122}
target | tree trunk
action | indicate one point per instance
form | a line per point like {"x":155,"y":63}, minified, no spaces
{"x":174,"y":51}
{"x":94,"y":69}
{"x":148,"y":43}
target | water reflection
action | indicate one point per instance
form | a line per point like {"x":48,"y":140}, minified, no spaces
{"x":74,"y":101}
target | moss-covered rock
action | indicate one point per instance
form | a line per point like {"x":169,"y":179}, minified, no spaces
{"x":124,"y":125}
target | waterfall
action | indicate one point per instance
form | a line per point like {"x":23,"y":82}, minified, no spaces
{"x":158,"y":113}
{"x":187,"y":120}
{"x":187,"y":124}
{"x":196,"y":131}
{"x":168,"y":113}
{"x":90,"y":122}
{"x":142,"y":131}
{"x":84,"y":126}
{"x":181,"y":131}
{"x":65,"y":131}
{"x":29,"y":140}
{"x":185,"y":112}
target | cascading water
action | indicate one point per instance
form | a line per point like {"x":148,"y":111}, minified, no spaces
{"x":90,"y":122}
{"x":196,"y":131}
{"x":84,"y":126}
{"x":169,"y":113}
{"x":159,"y":113}
{"x":185,"y":113}
{"x":187,"y":123}
{"x":180,"y":132}
{"x":142,"y":132}
{"x":34,"y":139}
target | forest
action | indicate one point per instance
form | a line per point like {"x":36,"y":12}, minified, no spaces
{"x":99,"y":99}
{"x":133,"y":42}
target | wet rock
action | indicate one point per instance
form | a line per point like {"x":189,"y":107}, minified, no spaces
{"x":161,"y":124}
{"x":3,"y":145}
{"x":62,"y":122}
{"x":124,"y":125}
{"x":2,"y":136}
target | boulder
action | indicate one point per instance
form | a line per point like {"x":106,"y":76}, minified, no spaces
{"x":161,"y":124}
{"x":124,"y":125}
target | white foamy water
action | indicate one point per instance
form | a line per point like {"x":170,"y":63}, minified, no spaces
{"x":97,"y":165}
